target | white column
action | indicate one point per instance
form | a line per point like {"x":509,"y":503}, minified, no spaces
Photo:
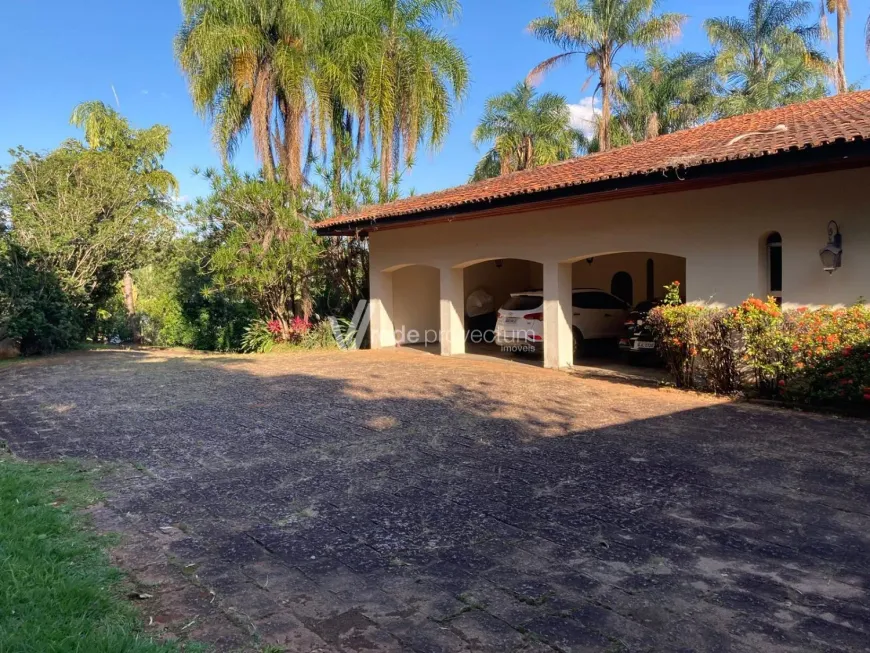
{"x":381,"y":291}
{"x":452,"y":334}
{"x":558,"y":312}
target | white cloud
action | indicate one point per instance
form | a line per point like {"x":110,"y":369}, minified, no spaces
{"x":584,"y":115}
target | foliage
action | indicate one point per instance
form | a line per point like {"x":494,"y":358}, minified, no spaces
{"x":596,"y":31}
{"x":261,"y":248}
{"x":816,"y":357}
{"x":59,"y":592}
{"x":525,"y":132}
{"x":88,"y":214}
{"x":178,"y":304}
{"x":662,"y":95}
{"x":34,"y":309}
{"x":262,"y":337}
{"x":698,"y":345}
{"x":259,"y":338}
{"x":298,"y":73}
{"x":768,"y":59}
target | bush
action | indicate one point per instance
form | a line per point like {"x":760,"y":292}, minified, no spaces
{"x":816,"y":357}
{"x":35,"y":312}
{"x":261,"y":336}
{"x":697,"y":345}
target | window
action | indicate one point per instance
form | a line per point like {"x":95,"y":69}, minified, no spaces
{"x":774,"y":265}
{"x":650,"y":280}
{"x":524,"y":303}
{"x":623,"y":287}
{"x":597,"y":301}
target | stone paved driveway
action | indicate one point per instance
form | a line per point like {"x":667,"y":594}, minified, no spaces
{"x":399,"y":501}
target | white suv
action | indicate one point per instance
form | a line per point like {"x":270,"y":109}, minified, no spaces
{"x":597,"y":315}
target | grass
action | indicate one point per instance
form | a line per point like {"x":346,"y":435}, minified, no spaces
{"x":58,"y":592}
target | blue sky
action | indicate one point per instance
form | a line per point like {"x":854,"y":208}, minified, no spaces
{"x":56,"y":53}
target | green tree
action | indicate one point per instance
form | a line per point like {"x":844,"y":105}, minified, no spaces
{"x":597,"y":31}
{"x":413,"y":74}
{"x":89,"y":214}
{"x":261,"y":249}
{"x":768,"y":59}
{"x":523,"y":131}
{"x":662,"y":95}
{"x":302,"y":74}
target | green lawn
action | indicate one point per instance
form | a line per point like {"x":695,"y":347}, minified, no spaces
{"x":57,"y":589}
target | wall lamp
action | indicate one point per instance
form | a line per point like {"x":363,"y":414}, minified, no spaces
{"x":832,"y":253}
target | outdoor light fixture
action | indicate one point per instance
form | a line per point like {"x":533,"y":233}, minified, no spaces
{"x":590,"y":261}
{"x":832,"y":253}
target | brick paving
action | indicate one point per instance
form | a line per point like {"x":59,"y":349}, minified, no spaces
{"x":396,"y":501}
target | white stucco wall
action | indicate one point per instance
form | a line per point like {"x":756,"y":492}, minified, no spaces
{"x":716,"y":230}
{"x":416,"y":304}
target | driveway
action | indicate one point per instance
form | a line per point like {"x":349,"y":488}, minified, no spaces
{"x":385,"y":501}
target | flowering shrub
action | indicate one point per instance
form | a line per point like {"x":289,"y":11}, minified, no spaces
{"x":819,"y":357}
{"x":766,"y":344}
{"x":262,"y":336}
{"x":830,"y":355}
{"x":697,"y":345}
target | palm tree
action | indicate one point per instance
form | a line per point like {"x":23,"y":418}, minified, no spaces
{"x":108,"y":131}
{"x":255,"y":65}
{"x":768,"y":59}
{"x":525,"y":132}
{"x":598,"y":30}
{"x":413,"y":74}
{"x":841,"y":9}
{"x":661,"y":95}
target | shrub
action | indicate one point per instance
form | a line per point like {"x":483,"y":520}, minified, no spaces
{"x":697,"y":345}
{"x":259,"y":337}
{"x":815,"y":357}
{"x":35,"y":312}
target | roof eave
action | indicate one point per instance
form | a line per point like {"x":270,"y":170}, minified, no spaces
{"x":829,"y":157}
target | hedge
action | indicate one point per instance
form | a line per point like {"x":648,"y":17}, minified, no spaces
{"x":810,"y":356}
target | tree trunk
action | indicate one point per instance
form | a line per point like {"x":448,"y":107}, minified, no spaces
{"x":261,"y":118}
{"x":604,"y":122}
{"x":842,"y":87}
{"x":130,"y":304}
{"x":386,"y":162}
{"x":293,"y":145}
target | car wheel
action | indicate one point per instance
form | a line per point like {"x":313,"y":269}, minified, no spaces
{"x":579,"y":343}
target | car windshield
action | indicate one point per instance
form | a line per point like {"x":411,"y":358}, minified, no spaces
{"x":523,"y":303}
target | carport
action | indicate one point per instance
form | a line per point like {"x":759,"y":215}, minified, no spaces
{"x":730,"y":209}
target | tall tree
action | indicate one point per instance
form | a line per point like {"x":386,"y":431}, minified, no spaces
{"x":524,"y":131}
{"x":413,"y":76}
{"x":662,"y":95}
{"x":257,"y":65}
{"x":90,"y":213}
{"x":768,"y":59}
{"x":598,"y":30}
{"x":841,"y":9}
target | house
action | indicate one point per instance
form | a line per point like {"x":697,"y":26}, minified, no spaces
{"x":731,"y":208}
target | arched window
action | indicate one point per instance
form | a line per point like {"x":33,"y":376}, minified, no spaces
{"x":623,"y":287}
{"x":774,"y":265}
{"x":650,"y":280}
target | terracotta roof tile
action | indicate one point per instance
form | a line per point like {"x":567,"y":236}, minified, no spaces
{"x":799,"y":126}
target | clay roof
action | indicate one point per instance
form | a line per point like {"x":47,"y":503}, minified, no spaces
{"x":840,"y":118}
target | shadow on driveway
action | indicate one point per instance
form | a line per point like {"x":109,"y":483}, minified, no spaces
{"x":390,"y":501}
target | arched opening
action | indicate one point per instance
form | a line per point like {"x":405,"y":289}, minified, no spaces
{"x":416,"y":311}
{"x":491,"y":285}
{"x":650,"y":279}
{"x":622,"y":286}
{"x":773,"y":265}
